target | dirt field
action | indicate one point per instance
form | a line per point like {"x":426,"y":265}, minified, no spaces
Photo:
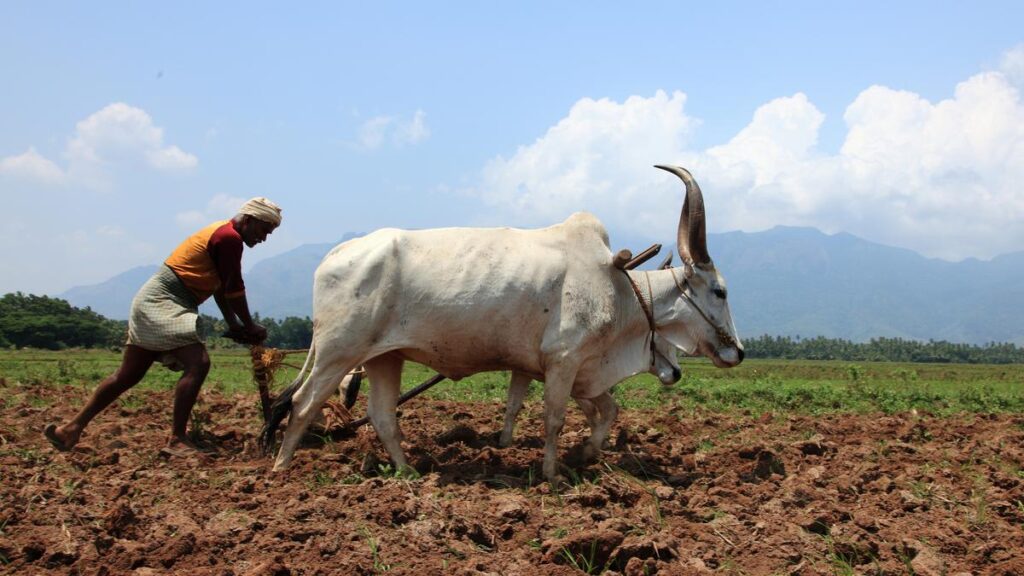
{"x":675,"y":494}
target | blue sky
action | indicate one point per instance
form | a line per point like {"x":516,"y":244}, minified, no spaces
{"x":127,"y":126}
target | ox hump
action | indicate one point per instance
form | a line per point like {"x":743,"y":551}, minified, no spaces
{"x":586,"y":225}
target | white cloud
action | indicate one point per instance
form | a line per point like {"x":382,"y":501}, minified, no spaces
{"x":110,"y":231}
{"x":399,"y":132}
{"x":1013,"y":65}
{"x":170,"y":158}
{"x":778,"y":144}
{"x":781,"y":135}
{"x":220,"y":207}
{"x":118,"y":137}
{"x":373,"y":132}
{"x":414,"y":131}
{"x":191,"y":219}
{"x":599,"y":156}
{"x":32,"y":167}
{"x":941,"y":178}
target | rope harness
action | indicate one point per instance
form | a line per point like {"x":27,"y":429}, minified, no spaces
{"x":723,"y":335}
{"x":648,"y":308}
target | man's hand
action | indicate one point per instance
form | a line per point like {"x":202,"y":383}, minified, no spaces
{"x":256,"y":333}
{"x":238,"y":335}
{"x":253,"y":335}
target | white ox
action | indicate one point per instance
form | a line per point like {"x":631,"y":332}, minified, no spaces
{"x":547,"y":304}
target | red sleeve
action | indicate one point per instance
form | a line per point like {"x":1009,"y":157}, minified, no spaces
{"x":225,"y":249}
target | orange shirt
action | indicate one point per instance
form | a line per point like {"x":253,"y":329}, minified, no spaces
{"x":210,"y":261}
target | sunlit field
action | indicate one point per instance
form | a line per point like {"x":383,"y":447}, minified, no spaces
{"x":804,"y":387}
{"x":835,"y":467}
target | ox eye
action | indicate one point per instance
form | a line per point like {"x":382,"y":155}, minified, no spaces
{"x":720,"y":292}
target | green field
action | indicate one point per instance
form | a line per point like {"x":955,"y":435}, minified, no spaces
{"x":757,"y":386}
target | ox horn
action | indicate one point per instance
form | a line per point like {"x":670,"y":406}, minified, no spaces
{"x":691,"y":237}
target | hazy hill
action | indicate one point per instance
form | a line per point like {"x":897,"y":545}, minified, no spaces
{"x":277,"y":287}
{"x":282,"y":285}
{"x":113,"y":297}
{"x":784,"y":281}
{"x":799,"y":281}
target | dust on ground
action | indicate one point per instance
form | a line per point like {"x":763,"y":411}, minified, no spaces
{"x":676,"y":493}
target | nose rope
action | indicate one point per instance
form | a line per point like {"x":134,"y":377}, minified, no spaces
{"x":724,"y":336}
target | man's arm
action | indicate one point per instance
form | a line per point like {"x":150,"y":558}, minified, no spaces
{"x":253,"y":332}
{"x":234,"y":324}
{"x":226,"y":252}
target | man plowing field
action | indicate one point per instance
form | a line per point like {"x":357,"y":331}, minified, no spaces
{"x":162,"y":325}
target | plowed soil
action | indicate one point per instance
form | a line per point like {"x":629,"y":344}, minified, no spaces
{"x":676,"y":493}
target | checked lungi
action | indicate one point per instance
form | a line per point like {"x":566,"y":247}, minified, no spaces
{"x":164,"y":315}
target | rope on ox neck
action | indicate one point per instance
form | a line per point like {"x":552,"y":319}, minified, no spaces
{"x":645,"y":306}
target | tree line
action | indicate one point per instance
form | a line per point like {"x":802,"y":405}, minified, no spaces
{"x":882,"y":350}
{"x":29,"y":321}
{"x":290,"y":333}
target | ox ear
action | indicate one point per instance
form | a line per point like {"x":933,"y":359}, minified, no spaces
{"x":666,"y":263}
{"x":691,"y":236}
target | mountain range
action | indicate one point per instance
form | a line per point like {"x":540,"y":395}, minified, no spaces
{"x":783,"y":281}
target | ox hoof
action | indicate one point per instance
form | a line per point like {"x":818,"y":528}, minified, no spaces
{"x":591,"y":453}
{"x":559,"y":483}
{"x":557,"y":479}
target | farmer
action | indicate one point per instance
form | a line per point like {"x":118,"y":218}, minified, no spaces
{"x":163,"y":322}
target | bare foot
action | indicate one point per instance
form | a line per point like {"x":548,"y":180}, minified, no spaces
{"x":62,"y":438}
{"x":184,"y":446}
{"x":182,"y":443}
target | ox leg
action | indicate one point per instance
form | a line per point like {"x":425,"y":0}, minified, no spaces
{"x":593,"y":414}
{"x":306,"y":405}
{"x":558,"y":385}
{"x":601,"y":412}
{"x":517,"y":389}
{"x":385,"y":374}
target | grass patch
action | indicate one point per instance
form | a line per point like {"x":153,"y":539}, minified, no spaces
{"x":757,"y":385}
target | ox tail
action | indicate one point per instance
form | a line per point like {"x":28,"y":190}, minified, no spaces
{"x":352,"y":390}
{"x":282,"y":405}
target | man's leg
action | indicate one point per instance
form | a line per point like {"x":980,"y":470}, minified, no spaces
{"x":197,"y":364}
{"x":134,"y":364}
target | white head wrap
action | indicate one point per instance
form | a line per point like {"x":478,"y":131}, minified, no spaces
{"x":262,"y":209}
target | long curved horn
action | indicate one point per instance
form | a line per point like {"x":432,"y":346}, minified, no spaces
{"x":691,"y":237}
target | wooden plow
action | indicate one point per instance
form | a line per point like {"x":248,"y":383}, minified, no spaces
{"x":266,"y":361}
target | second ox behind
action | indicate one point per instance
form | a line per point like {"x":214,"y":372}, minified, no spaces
{"x":547,"y":304}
